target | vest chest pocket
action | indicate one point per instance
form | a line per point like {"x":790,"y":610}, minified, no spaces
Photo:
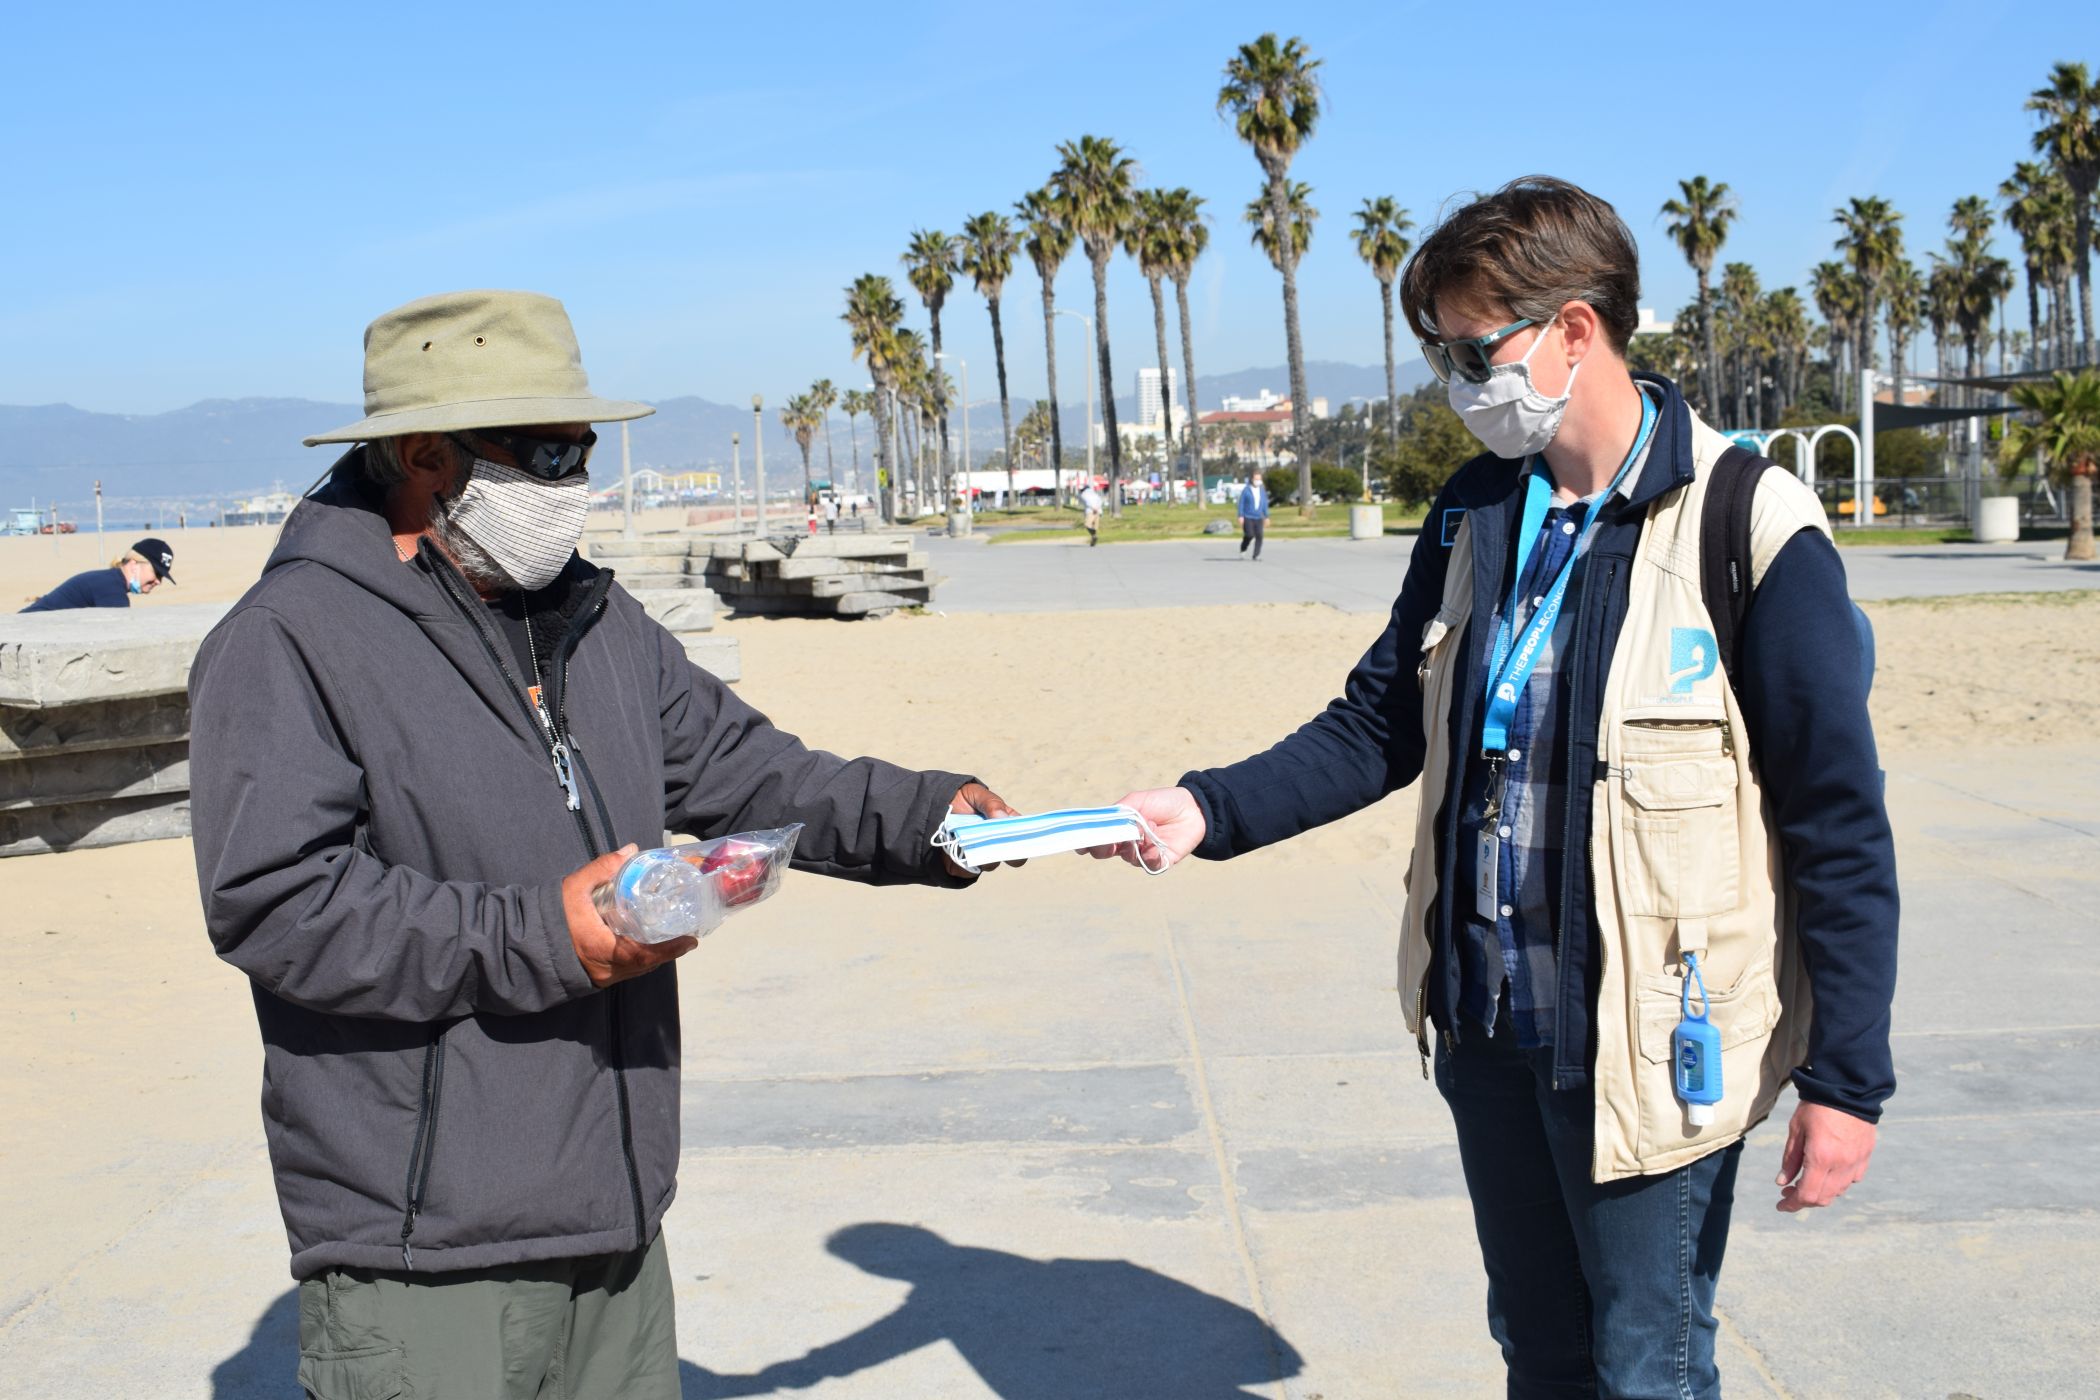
{"x":1677,"y":822}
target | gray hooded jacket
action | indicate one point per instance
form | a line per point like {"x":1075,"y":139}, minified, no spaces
{"x":381,"y":832}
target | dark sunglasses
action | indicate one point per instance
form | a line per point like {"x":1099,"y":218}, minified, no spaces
{"x":1469,"y":359}
{"x":549,"y":459}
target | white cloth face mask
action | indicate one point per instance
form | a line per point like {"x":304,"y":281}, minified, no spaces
{"x":1509,"y":416}
{"x":974,"y":842}
{"x":528,"y":526}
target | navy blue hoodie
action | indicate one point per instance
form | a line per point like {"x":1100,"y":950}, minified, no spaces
{"x":1803,"y":690}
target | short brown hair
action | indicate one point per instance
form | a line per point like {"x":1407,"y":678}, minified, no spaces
{"x":1531,"y":247}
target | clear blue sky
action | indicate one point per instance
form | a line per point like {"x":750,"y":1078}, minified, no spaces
{"x":213,"y":201}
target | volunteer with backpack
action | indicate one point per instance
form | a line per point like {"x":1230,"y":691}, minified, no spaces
{"x":1629,"y":677}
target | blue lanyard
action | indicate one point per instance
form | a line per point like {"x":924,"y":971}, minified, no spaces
{"x":1510,"y":666}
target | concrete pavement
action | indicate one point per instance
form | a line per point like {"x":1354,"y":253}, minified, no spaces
{"x":1087,"y":1134}
{"x":1364,"y":575}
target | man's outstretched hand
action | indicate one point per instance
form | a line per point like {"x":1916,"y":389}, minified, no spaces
{"x":978,"y":799}
{"x":1826,"y":1151}
{"x":1174,"y":816}
{"x":606,"y":957}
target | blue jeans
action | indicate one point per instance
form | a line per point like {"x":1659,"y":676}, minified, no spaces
{"x":1593,"y":1289}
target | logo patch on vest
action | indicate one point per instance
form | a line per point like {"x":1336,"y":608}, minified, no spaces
{"x":1694,"y":655}
{"x":1452,"y":516}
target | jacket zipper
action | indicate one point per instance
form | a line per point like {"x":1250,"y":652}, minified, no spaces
{"x":424,"y":1151}
{"x":1567,"y":879}
{"x":561,"y":752}
{"x":615,"y":1004}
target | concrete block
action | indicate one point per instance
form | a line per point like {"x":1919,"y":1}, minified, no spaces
{"x":617,"y":548}
{"x":56,"y":779}
{"x":718,"y":656}
{"x":39,"y":830}
{"x":635,"y":579}
{"x":679,"y":609}
{"x":89,"y":654}
{"x":837,"y":547}
{"x":105,"y":724}
{"x":800,"y":567}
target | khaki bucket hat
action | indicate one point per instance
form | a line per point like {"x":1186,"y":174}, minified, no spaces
{"x":465,"y":360}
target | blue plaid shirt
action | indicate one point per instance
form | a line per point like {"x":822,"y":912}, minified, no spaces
{"x":1520,"y":951}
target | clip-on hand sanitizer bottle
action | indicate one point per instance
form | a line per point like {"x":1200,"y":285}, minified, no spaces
{"x":1695,"y":1052}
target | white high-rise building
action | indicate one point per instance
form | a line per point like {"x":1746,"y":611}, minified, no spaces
{"x":1151,"y":410}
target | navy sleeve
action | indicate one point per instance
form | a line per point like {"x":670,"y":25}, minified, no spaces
{"x":1365,"y":744}
{"x":97,"y":588}
{"x":1804,"y":694}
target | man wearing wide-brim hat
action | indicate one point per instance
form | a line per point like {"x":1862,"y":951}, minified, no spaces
{"x":418,"y":745}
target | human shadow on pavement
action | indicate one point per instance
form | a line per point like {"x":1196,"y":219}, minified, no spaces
{"x":1035,"y":1329}
{"x":264,"y":1369}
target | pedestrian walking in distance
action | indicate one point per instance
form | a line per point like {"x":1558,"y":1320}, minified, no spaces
{"x":1254,"y":512}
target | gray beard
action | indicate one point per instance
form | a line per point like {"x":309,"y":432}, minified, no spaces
{"x":482,"y":573}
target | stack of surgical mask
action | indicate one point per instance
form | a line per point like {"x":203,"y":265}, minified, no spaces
{"x":975,"y":842}
{"x":686,"y":891}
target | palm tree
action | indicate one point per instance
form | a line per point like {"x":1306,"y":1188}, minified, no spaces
{"x":1871,"y":243}
{"x":1942,"y":308}
{"x":1836,"y":293}
{"x":799,"y":416}
{"x":823,"y":397}
{"x":929,"y":264}
{"x":1149,"y":240}
{"x":1261,"y":223}
{"x":873,"y":315}
{"x":915,"y":391}
{"x":1701,"y":216}
{"x":2069,"y":107}
{"x":1381,"y":241}
{"x":1786,"y":320}
{"x":988,"y":247}
{"x":1904,"y":314}
{"x":1272,"y":91}
{"x":1740,"y":294}
{"x":853,"y":403}
{"x":1048,"y":241}
{"x":1186,"y":235}
{"x":2029,"y":208}
{"x":2065,"y":437}
{"x":1096,"y":188}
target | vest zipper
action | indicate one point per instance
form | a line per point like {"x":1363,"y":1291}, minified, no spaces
{"x":424,"y":1151}
{"x":1422,"y":1022}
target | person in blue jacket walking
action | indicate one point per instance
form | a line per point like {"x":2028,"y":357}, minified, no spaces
{"x":143,"y":568}
{"x":1621,"y":827}
{"x":1254,"y":512}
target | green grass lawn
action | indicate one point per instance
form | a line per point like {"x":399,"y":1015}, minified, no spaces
{"x":1879,"y":535}
{"x":1144,"y":523}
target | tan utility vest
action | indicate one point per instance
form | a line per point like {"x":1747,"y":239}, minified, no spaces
{"x":1682,"y":856}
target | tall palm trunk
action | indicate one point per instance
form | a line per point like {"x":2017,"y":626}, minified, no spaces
{"x":2079,"y":502}
{"x":1188,"y":374}
{"x":1392,"y":381}
{"x":1710,"y":371}
{"x":2082,"y":263}
{"x":1287,"y":261}
{"x":885,"y":472}
{"x":940,"y":409}
{"x":2066,"y":327}
{"x":1167,"y":473}
{"x":853,"y":433}
{"x":1057,"y":432}
{"x":1108,"y":381}
{"x":1006,"y":415}
{"x":830,"y":468}
{"x":2034,"y":316}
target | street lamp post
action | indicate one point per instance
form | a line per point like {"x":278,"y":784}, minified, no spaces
{"x":758,"y":453}
{"x":736,"y":465}
{"x":1089,"y":377}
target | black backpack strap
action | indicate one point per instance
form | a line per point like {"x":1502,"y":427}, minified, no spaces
{"x":1724,"y":550}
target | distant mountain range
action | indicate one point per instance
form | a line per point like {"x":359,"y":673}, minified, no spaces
{"x":221,"y":449}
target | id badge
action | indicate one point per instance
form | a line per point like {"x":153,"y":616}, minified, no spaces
{"x":1487,"y":879}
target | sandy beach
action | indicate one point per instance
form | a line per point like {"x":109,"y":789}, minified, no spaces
{"x":136,"y":1050}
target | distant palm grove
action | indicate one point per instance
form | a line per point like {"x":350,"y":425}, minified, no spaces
{"x":1746,"y":356}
